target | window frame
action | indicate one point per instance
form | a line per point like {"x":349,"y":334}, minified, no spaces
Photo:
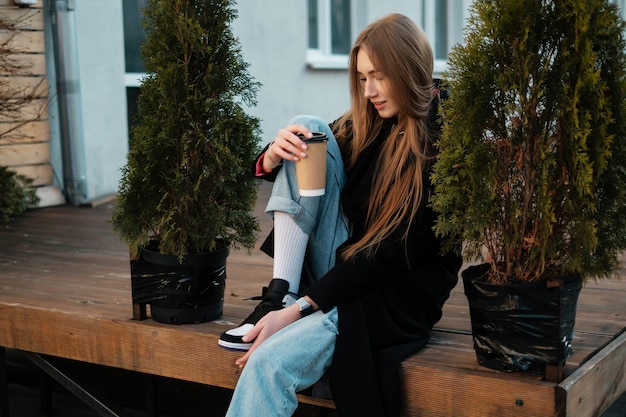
{"x":322,"y":56}
{"x":457,"y":13}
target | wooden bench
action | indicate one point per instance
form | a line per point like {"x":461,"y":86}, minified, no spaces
{"x":65,"y":292}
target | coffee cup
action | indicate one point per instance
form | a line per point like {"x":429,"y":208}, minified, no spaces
{"x":311,"y":171}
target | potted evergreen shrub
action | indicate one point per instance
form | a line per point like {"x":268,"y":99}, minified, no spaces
{"x":531,"y":175}
{"x":186,"y":194}
{"x":16,"y":194}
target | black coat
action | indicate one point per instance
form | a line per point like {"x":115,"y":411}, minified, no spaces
{"x":387,"y":304}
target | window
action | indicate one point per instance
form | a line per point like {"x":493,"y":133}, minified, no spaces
{"x":133,"y":38}
{"x":443,"y":21}
{"x":331,"y":32}
{"x":334,"y":25}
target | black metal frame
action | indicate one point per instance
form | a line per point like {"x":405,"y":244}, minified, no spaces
{"x":51,"y":372}
{"x":4,"y":386}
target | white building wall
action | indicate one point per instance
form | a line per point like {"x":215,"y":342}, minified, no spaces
{"x":274,"y":39}
{"x":376,"y":9}
{"x":100,"y":54}
{"x":273,"y":35}
{"x":100,"y":42}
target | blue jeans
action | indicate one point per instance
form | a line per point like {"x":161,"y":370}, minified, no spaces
{"x":297,"y":356}
{"x":319,"y":217}
{"x":291,"y":360}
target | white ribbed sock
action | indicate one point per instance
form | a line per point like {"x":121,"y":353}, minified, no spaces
{"x":289,"y":248}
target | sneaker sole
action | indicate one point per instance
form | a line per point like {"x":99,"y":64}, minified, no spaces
{"x":234,"y":346}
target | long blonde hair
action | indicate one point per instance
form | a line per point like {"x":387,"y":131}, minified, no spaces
{"x":400,"y":50}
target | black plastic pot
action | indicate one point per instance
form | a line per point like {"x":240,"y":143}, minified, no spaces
{"x":179,"y":293}
{"x":517,"y":327}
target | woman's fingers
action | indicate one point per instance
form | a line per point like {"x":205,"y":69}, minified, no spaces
{"x":255,"y":334}
{"x":267,"y":326}
{"x":288,"y":145}
{"x":241,"y":362}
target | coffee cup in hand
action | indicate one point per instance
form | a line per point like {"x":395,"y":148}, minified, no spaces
{"x":311,"y":171}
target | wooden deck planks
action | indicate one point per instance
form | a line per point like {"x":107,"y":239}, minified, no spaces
{"x":65,"y":291}
{"x":595,"y":385}
{"x":443,"y":391}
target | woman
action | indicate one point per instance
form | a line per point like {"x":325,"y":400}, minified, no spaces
{"x":376,"y":301}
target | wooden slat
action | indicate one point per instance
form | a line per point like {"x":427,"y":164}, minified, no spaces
{"x":35,"y":86}
{"x":40,"y":174}
{"x":438,"y":391}
{"x":24,"y":132}
{"x":142,"y":346}
{"x":11,"y":4}
{"x":23,"y":18}
{"x":28,"y":64}
{"x":25,"y":145}
{"x":34,"y":110}
{"x":26,"y":154}
{"x":593,"y":387}
{"x":25,"y":41}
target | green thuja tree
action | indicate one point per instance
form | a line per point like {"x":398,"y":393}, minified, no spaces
{"x":187,"y":182}
{"x":531,"y":175}
{"x":16,"y":194}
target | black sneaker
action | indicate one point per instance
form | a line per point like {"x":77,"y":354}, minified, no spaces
{"x":271,"y":300}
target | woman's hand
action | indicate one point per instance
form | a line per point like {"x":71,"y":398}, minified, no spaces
{"x":286,"y":146}
{"x":267,"y":326}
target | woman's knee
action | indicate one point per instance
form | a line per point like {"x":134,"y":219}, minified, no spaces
{"x":312,"y":122}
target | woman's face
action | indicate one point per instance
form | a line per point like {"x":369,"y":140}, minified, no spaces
{"x":374,"y":85}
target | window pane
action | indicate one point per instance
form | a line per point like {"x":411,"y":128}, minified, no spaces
{"x":313,"y":25}
{"x":441,"y":29}
{"x":133,"y":34}
{"x":132,"y":93}
{"x":340,"y":27}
